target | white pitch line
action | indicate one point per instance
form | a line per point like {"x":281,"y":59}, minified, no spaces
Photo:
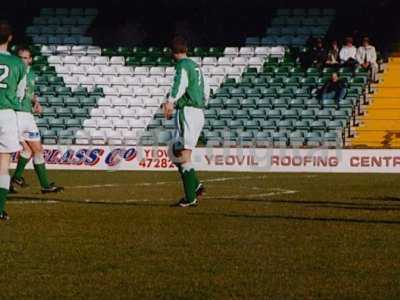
{"x":281,"y":192}
{"x":115,"y":185}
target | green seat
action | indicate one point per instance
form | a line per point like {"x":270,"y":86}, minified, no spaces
{"x":285,"y":92}
{"x":63,"y":91}
{"x":215,"y":51}
{"x":271,"y":62}
{"x":249,"y":103}
{"x":290,"y":114}
{"x":285,"y":125}
{"x":223,"y":92}
{"x":232,"y":103}
{"x":308,"y":114}
{"x":303,"y":93}
{"x":88,"y":101}
{"x":148,"y":61}
{"x":296,"y":71}
{"x":336,"y":124}
{"x":268,"y":71}
{"x":72,"y":101}
{"x":312,"y":103}
{"x":264,"y":102}
{"x":358,"y":81}
{"x":302,"y":125}
{"x":268,"y":92}
{"x":97,"y":91}
{"x":80,"y":112}
{"x":168,"y":124}
{"x":200,"y":52}
{"x":49,"y":137}
{"x":282,"y":71}
{"x":291,"y":82}
{"x":312,"y":71}
{"x":309,"y":82}
{"x":345,"y":71}
{"x":64,"y":112}
{"x":42,"y":122}
{"x":108,"y":52}
{"x":259,"y":82}
{"x":245,"y":136}
{"x":251,"y":125}
{"x":274,"y":114}
{"x":235,"y":124}
{"x":154,"y":123}
{"x":123,"y":51}
{"x":280,"y":103}
{"x":139,"y":51}
{"x":275,"y":82}
{"x":133,"y":61}
{"x":80,"y":91}
{"x":324,"y":114}
{"x":257,"y":114}
{"x":245,"y":82}
{"x":210,"y":114}
{"x":56,"y":101}
{"x":346,"y":103}
{"x":279,"y":139}
{"x":327,"y":72}
{"x":340,"y":115}
{"x":252,"y":92}
{"x":164,"y":61}
{"x":73,"y":123}
{"x":354,"y":92}
{"x":56,"y":123}
{"x":240,"y":114}
{"x":49,"y":112}
{"x":46,"y":91}
{"x":237,"y":92}
{"x":218,"y":124}
{"x":296,"y":139}
{"x":47,"y":70}
{"x":313,"y":139}
{"x":318,"y":125}
{"x":229,"y":82}
{"x":66,"y":137}
{"x":217,"y":102}
{"x":296,"y":103}
{"x":250,"y":72}
{"x":225,"y":114}
{"x":55,"y":81}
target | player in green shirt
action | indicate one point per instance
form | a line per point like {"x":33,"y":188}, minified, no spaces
{"x":29,"y":134}
{"x":188,"y":95}
{"x":12,"y":90}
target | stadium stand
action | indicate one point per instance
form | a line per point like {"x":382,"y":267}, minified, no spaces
{"x":262,"y":96}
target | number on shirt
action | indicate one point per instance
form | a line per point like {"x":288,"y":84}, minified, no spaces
{"x":3,"y":76}
{"x":198,"y":74}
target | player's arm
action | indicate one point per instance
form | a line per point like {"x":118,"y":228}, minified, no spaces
{"x":37,"y":108}
{"x":178,"y":89}
{"x":21,"y":87}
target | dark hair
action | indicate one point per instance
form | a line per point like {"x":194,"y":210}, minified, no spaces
{"x":24,"y":48}
{"x":5,"y":32}
{"x":179,"y":45}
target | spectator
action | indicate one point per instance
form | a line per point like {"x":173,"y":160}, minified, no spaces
{"x":333,"y":55}
{"x":366,"y":56}
{"x":334,"y":88}
{"x":348,"y":54}
{"x":318,"y":54}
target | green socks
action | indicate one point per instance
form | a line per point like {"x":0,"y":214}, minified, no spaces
{"x":22,"y":162}
{"x":4,"y":187}
{"x":190,"y":182}
{"x":41,"y":173}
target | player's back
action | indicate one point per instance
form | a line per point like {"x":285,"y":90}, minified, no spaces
{"x":194,"y":95}
{"x":12,"y":72}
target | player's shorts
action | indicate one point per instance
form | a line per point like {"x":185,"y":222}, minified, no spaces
{"x":9,"y":141}
{"x":28,"y":130}
{"x":189,"y":124}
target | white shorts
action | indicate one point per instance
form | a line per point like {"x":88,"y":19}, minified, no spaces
{"x":9,"y":141}
{"x":27,"y":128}
{"x":189,"y":124}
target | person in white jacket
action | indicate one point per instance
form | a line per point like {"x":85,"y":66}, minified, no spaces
{"x":366,"y":56}
{"x":348,"y":53}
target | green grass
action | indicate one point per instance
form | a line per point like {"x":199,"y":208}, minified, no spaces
{"x":254,"y":236}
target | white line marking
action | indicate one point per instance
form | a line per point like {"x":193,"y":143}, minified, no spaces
{"x":272,"y":193}
{"x":115,"y":185}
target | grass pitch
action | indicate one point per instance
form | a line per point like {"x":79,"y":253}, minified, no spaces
{"x":112,"y":235}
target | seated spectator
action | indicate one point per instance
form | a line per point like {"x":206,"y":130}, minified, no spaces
{"x":318,"y":54}
{"x":366,"y":56}
{"x":348,"y":54}
{"x":333,"y":55}
{"x":334,"y":88}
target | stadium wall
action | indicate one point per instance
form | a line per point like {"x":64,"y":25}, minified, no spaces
{"x":223,"y":159}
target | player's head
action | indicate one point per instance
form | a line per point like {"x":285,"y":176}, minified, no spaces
{"x":5,"y":33}
{"x":366,"y":42}
{"x":25,"y":54}
{"x":179,"y":48}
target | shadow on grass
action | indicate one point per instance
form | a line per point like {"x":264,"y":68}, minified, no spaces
{"x":89,"y":202}
{"x":305,"y":219}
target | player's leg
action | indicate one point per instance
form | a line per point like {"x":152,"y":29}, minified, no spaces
{"x":24,"y":156}
{"x":9,"y":143}
{"x":40,"y":168}
{"x":191,"y":121}
{"x":4,"y":183}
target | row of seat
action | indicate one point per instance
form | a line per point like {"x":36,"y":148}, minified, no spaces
{"x":49,"y":11}
{"x":312,"y":11}
{"x":301,"y":21}
{"x":62,"y":40}
{"x":48,"y":90}
{"x":63,"y":20}
{"x":297,"y":30}
{"x":56,"y":30}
